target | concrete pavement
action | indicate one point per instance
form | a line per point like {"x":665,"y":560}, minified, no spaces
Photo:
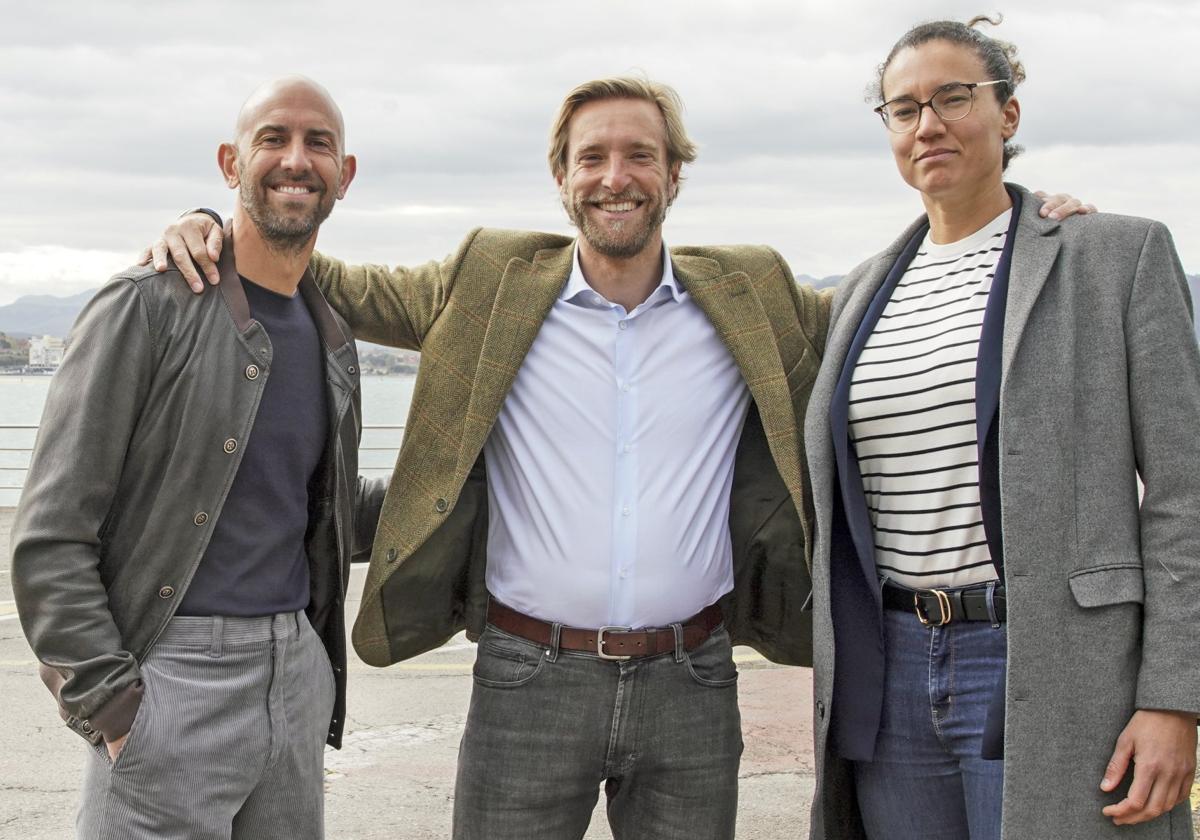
{"x":394,"y":778}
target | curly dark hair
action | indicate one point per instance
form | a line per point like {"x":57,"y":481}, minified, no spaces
{"x":999,"y":59}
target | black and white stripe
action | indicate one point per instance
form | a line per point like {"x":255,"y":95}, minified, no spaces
{"x":912,"y":415}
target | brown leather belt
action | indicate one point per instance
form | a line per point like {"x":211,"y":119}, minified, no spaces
{"x":606,"y":642}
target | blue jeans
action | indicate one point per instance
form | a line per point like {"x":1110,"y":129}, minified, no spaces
{"x":927,"y":780}
{"x":547,"y":727}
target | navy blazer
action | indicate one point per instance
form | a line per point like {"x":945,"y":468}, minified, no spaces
{"x":855,"y":593}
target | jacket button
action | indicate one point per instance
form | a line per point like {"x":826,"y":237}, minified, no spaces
{"x":351,"y":369}
{"x":391,"y":555}
{"x":86,"y":726}
{"x":441,"y":505}
{"x":166,"y":592}
{"x":200,"y":518}
{"x":252,"y":372}
{"x":821,"y":710}
{"x":231,"y":446}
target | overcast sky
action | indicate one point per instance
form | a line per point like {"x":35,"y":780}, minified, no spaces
{"x":113,"y":112}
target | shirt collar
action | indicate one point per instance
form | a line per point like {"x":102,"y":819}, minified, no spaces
{"x":578,"y":291}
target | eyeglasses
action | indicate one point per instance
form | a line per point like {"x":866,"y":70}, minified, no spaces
{"x":950,"y":102}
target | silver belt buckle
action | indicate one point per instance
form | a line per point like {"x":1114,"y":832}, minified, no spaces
{"x":609,"y":628}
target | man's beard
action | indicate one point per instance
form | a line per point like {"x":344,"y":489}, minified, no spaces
{"x":284,"y":233}
{"x":626,"y":238}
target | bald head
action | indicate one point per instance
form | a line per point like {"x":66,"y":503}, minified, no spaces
{"x":287,"y":161}
{"x":288,"y":92}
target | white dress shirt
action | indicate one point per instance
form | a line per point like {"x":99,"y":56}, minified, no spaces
{"x":611,"y":461}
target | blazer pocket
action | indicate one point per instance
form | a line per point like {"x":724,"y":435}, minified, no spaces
{"x":1106,"y":585}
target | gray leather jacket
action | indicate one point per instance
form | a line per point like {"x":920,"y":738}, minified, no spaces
{"x":139,"y":443}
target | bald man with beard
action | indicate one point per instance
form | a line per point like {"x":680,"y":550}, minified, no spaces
{"x":182,"y":546}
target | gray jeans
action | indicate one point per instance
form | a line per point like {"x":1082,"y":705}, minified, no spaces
{"x":546,"y":727}
{"x":229,"y":741}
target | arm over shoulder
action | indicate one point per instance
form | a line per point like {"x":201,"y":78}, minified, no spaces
{"x":812,"y":306}
{"x":392,"y":306}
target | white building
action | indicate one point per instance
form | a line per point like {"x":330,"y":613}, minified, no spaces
{"x":46,"y":351}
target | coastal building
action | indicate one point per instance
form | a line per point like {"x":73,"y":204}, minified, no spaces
{"x":46,"y":352}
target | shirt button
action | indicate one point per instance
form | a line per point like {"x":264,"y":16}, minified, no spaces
{"x":625,"y":386}
{"x":625,"y":510}
{"x":623,"y":325}
{"x":252,"y":372}
{"x":230,"y":446}
{"x":166,"y":592}
{"x":627,"y":447}
{"x":441,"y":505}
{"x":200,"y":518}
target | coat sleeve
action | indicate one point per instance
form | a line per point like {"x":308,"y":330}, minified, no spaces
{"x":391,"y":306}
{"x":812,"y":307}
{"x":93,"y":404}
{"x":1164,"y":391}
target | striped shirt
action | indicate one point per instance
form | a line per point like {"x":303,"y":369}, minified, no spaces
{"x":912,"y":416}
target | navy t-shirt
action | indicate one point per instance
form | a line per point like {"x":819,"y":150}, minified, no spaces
{"x":255,"y":563}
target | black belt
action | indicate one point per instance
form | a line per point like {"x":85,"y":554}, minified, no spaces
{"x":935,"y":607}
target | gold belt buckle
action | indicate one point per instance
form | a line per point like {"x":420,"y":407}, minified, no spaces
{"x":943,"y":607}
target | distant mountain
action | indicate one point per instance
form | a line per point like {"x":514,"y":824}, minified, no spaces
{"x":42,"y":314}
{"x":819,"y":282}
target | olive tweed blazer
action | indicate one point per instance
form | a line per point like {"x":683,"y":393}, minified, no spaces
{"x":474,"y":317}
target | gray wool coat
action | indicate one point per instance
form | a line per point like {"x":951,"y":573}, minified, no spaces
{"x":1100,"y":385}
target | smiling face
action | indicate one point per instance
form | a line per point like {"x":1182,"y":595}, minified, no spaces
{"x":946,"y":159}
{"x":617,"y":183}
{"x":288,"y":163}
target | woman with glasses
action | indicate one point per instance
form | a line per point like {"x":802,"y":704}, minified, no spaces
{"x":1005,"y":633}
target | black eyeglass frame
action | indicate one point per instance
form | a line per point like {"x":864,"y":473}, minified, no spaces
{"x":928,"y":103}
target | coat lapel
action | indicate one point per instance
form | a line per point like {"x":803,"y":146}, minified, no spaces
{"x":527,"y":292}
{"x":1034,"y":253}
{"x":735,"y":311}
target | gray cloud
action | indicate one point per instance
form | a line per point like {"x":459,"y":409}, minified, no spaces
{"x":114,"y":112}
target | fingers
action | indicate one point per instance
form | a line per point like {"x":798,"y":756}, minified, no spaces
{"x":158,"y":253}
{"x":178,"y":248}
{"x":1118,"y":764}
{"x":214,"y":241}
{"x":144,"y":257}
{"x":1153,"y":793}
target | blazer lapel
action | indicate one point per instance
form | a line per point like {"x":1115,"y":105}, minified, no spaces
{"x":527,"y":292}
{"x":735,"y":311}
{"x":871,"y":297}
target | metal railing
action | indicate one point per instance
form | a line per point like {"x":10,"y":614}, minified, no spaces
{"x":15,"y":455}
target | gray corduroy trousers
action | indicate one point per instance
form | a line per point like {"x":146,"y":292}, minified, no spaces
{"x":229,"y":741}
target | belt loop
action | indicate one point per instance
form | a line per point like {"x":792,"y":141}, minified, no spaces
{"x":678,"y":628}
{"x":218,"y":636}
{"x":555,"y":636}
{"x":991,"y":604}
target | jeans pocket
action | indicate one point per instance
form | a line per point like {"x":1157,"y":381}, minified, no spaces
{"x":711,"y":664}
{"x":502,"y":661}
